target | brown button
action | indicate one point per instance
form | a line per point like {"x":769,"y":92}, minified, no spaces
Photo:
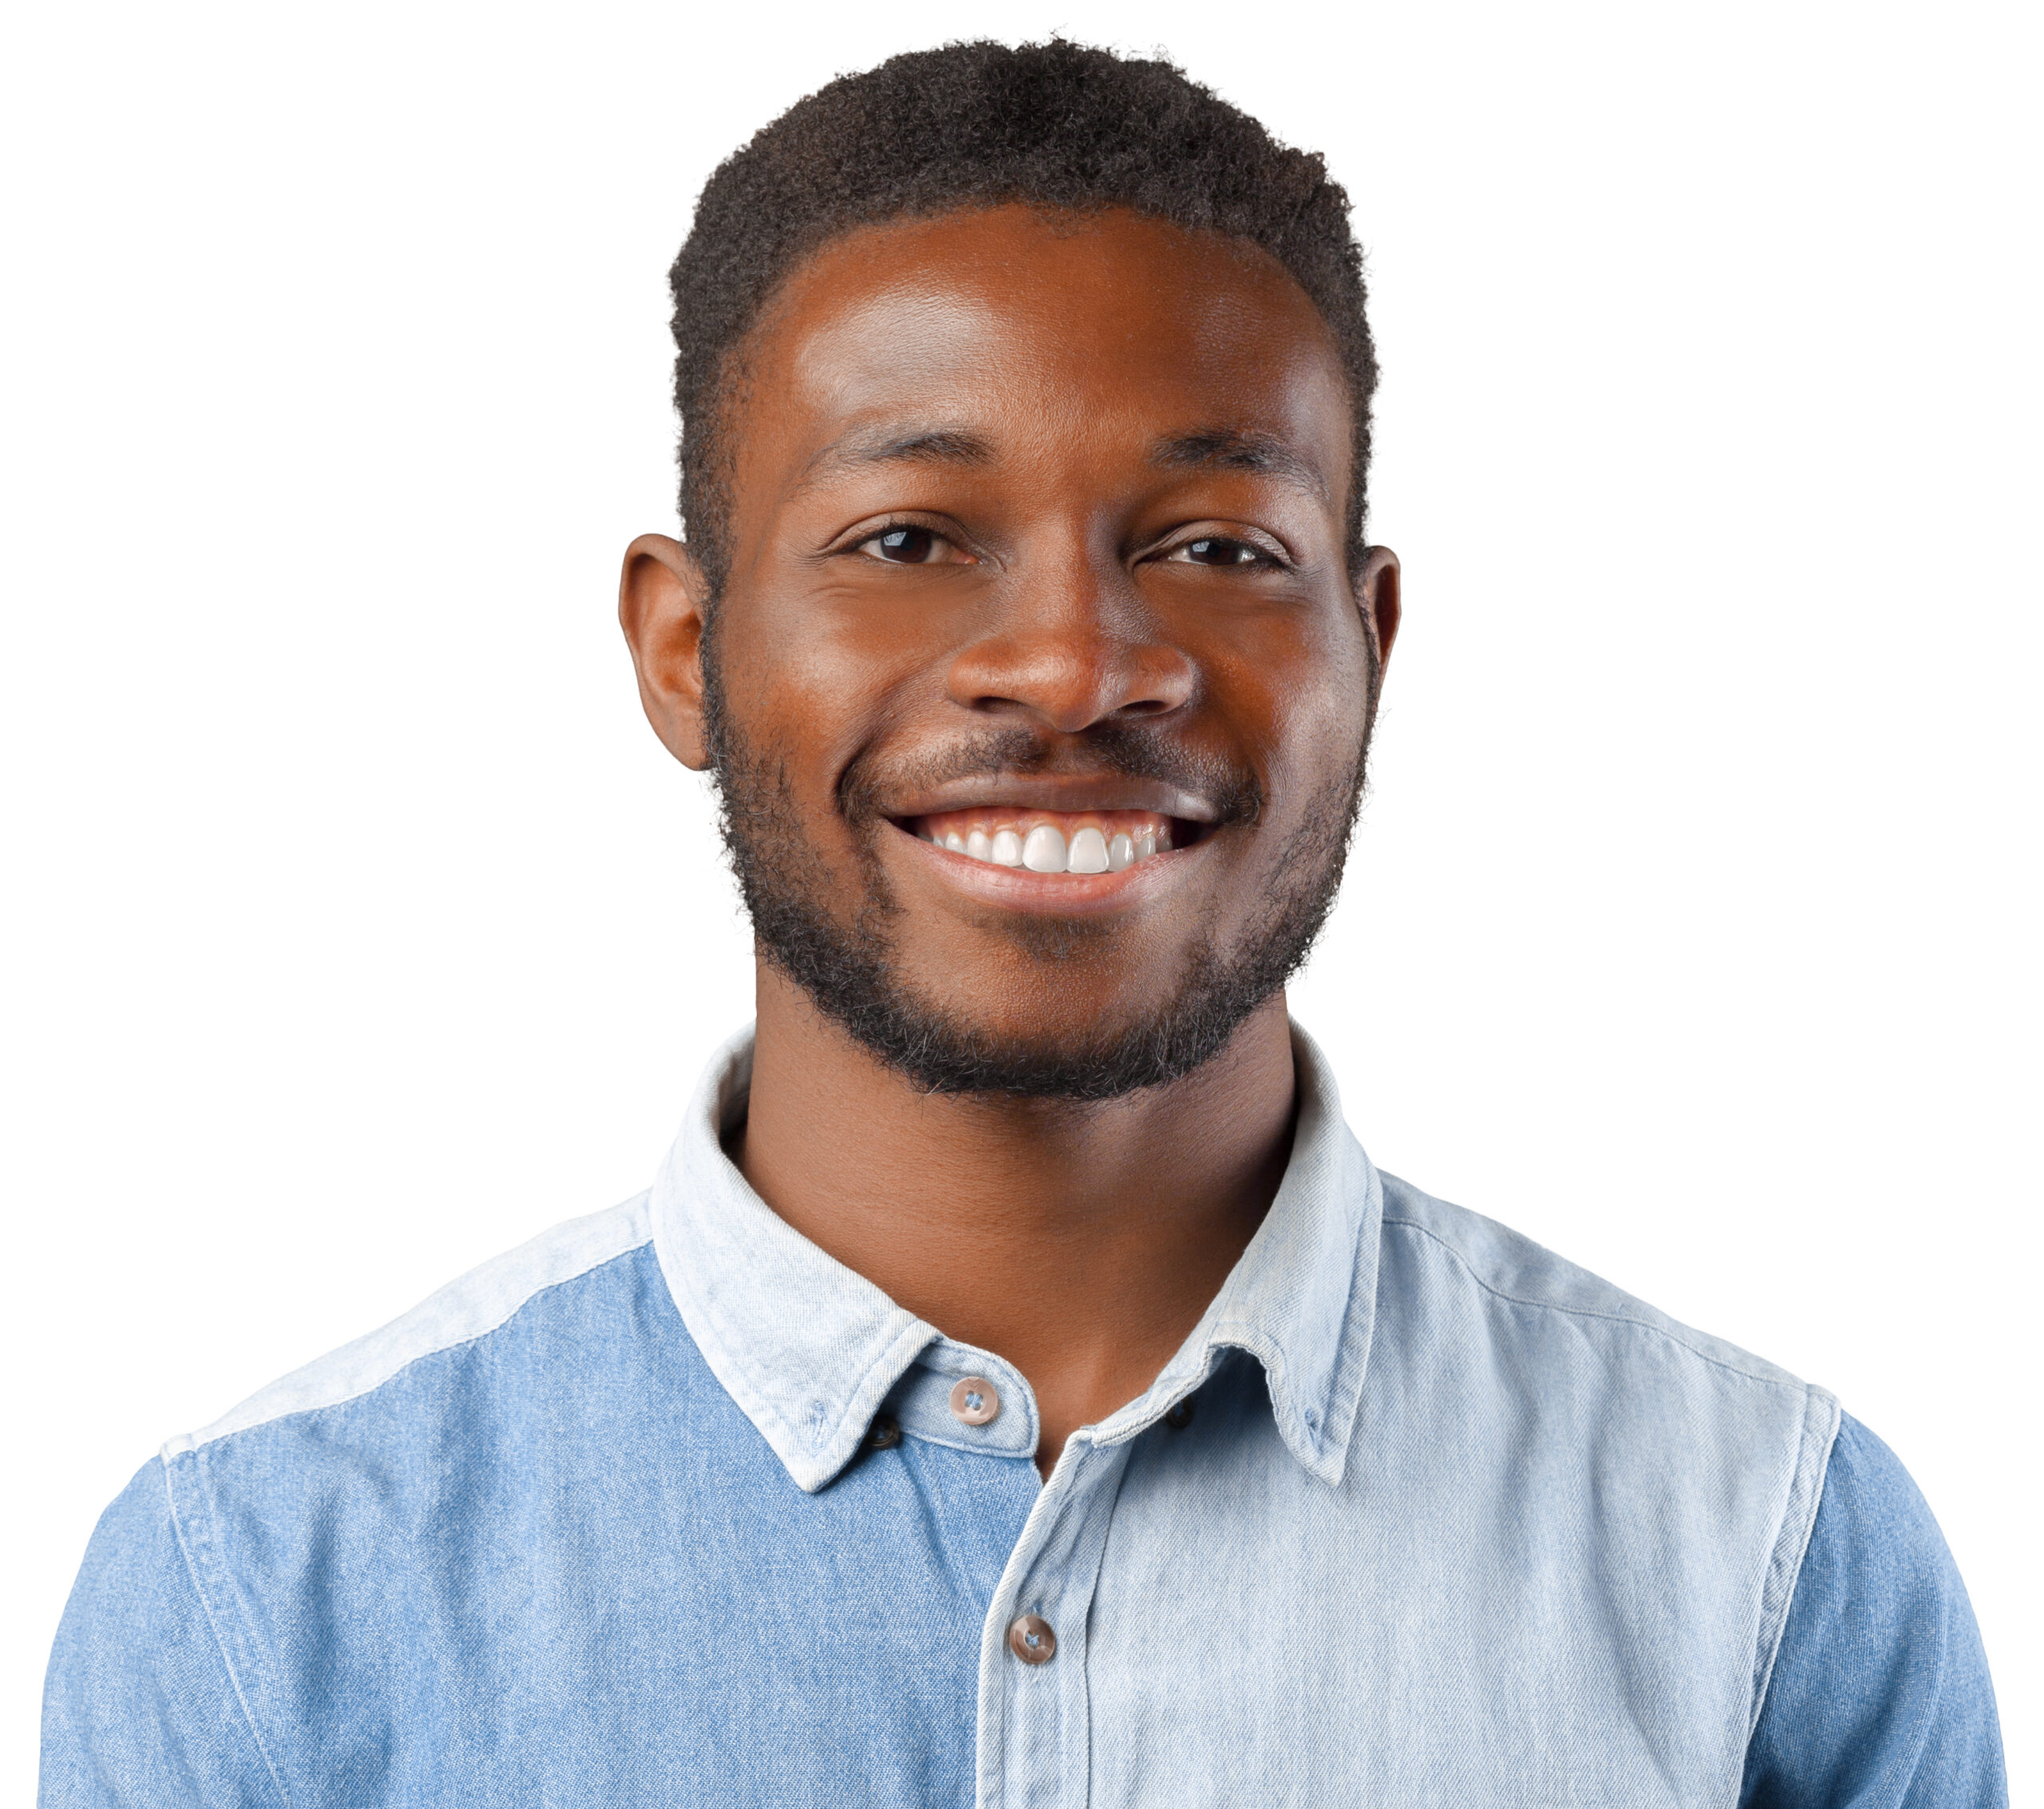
{"x":974,"y":1400}
{"x":884,"y":1434}
{"x":1031,"y":1640}
{"x":1180,"y":1414}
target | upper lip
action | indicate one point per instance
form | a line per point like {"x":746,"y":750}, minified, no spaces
{"x":1072,"y":793}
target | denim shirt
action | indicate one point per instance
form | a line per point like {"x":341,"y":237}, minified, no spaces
{"x":669,"y":1505}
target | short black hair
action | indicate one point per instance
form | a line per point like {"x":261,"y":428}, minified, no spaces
{"x":1057,"y":125}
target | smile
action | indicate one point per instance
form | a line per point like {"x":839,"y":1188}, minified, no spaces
{"x":1052,"y":841}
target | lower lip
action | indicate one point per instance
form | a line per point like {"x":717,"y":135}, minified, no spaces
{"x":1060,"y":895}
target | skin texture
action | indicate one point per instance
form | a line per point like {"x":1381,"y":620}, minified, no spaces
{"x":1083,"y":417}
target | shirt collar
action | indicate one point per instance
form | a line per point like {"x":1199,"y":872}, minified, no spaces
{"x":808,"y":1349}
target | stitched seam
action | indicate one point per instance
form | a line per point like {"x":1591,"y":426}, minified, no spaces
{"x":220,"y":1644}
{"x":1765,"y":1661}
{"x":1350,"y":1363}
{"x":1080,"y":1764}
{"x":187,"y":1442}
{"x":1592,"y":1312}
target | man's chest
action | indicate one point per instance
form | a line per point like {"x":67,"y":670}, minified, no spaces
{"x":1222,"y":1627}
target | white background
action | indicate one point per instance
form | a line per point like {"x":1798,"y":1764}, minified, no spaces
{"x":356,"y":928}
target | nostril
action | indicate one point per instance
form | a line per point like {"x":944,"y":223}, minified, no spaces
{"x":1071,"y":674}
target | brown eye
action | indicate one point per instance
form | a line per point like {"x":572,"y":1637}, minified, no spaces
{"x":1212,"y":549}
{"x":907,"y":546}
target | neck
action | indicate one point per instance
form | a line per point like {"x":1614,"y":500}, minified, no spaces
{"x":1080,"y":1242}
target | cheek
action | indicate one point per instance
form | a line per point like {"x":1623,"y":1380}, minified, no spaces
{"x":1298,"y":695}
{"x":814,"y":683}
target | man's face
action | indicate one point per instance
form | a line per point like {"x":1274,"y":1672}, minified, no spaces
{"x":1040,"y":686}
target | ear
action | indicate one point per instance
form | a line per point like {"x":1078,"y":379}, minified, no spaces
{"x":1377,"y":596}
{"x":660,"y":606}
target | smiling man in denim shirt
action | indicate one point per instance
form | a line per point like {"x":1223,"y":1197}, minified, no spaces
{"x":1018,"y":1387}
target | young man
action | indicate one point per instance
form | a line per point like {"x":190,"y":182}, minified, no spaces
{"x":1019,"y":1388}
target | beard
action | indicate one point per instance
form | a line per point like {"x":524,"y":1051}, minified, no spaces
{"x":841,"y":952}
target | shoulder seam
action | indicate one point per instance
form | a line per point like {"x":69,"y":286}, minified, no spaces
{"x":327,"y":1382}
{"x":1778,"y":1586}
{"x":1781,"y":1381}
{"x":220,"y":1644}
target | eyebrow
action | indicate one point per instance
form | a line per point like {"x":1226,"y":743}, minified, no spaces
{"x":1241,"y":449}
{"x":895,"y":444}
{"x":1228,"y":448}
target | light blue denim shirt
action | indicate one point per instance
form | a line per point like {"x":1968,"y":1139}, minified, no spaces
{"x":669,"y":1506}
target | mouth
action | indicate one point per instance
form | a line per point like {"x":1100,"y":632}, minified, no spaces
{"x":1078,"y":843}
{"x":1060,"y":843}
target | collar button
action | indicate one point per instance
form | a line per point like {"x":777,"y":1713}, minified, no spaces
{"x":974,"y":1400}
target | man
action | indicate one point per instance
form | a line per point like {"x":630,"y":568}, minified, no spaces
{"x":1019,"y":1388}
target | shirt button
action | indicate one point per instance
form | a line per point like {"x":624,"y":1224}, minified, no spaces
{"x":1180,"y":1414}
{"x":974,"y":1400}
{"x":884,"y":1434}
{"x":1031,"y":1640}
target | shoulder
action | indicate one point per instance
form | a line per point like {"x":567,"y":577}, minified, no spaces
{"x":1880,"y":1693}
{"x":142,"y":1703}
{"x":542,"y":1286}
{"x":1584,"y":1379}
{"x":1699,"y":1465}
{"x":297,"y":1569}
{"x":1532,"y":1286}
{"x":1875,"y":1521}
{"x":322,"y":1524}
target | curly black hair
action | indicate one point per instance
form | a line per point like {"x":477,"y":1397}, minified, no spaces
{"x":1057,"y":125}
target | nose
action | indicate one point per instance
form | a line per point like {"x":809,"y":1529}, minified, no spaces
{"x":1074,"y":655}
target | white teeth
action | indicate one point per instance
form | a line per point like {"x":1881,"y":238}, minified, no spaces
{"x":1089,"y":852}
{"x":1044,"y":852}
{"x":1045,"y":849}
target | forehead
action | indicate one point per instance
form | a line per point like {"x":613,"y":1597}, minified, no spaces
{"x":1087,"y":330}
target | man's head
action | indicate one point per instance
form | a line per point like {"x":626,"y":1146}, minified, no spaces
{"x":1025,"y":398}
{"x":1055,"y":127}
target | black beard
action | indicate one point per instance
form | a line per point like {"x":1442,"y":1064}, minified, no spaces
{"x":846,"y":968}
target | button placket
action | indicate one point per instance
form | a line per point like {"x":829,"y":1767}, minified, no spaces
{"x":1035,"y":1722}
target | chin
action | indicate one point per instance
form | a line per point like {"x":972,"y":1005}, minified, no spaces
{"x":1090,"y":1058}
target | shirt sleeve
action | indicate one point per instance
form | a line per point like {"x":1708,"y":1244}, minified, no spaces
{"x":1879,"y":1697}
{"x":140,"y":1707}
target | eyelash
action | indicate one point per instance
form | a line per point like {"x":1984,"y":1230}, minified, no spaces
{"x":1261,"y":557}
{"x":858,"y":548}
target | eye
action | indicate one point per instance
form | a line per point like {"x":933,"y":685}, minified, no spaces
{"x":1217,"y":549}
{"x":912,"y":546}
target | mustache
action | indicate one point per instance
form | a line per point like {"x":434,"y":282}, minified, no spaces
{"x":1129,"y":751}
